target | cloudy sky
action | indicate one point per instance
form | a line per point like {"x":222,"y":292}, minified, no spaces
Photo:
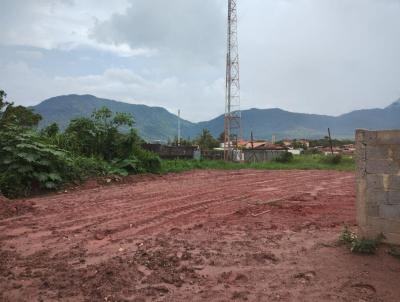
{"x":317,"y":56}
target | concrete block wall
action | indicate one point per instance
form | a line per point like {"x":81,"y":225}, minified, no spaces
{"x":259,"y":155}
{"x":378,"y":184}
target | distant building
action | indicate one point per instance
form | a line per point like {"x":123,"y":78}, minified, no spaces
{"x":304,"y":142}
{"x":260,"y":145}
{"x":293,"y":142}
{"x":295,"y":151}
{"x":349,"y":149}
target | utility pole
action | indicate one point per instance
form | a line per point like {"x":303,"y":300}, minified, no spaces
{"x":330,"y":140}
{"x":232,"y":120}
{"x":179,"y":127}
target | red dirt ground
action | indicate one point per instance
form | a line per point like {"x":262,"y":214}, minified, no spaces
{"x":197,"y":236}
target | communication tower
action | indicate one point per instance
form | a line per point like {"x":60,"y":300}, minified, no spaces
{"x":232,"y":120}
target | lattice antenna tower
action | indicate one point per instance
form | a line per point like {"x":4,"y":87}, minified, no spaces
{"x":232,"y":121}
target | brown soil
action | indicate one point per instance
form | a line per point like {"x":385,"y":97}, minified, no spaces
{"x":10,"y":208}
{"x":198,"y":236}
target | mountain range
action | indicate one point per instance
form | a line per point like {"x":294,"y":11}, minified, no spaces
{"x":157,"y":124}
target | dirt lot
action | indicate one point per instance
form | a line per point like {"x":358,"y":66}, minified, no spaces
{"x":198,"y":236}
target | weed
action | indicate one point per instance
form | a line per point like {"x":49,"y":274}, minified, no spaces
{"x":364,"y":246}
{"x":332,"y":159}
{"x":360,"y":245}
{"x":347,"y":236}
{"x":286,"y":157}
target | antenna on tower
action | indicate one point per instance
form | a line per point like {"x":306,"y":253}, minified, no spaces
{"x":232,"y":120}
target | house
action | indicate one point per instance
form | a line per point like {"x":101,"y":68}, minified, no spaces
{"x":349,"y":149}
{"x":296,"y":151}
{"x":263,"y":145}
{"x":296,"y":143}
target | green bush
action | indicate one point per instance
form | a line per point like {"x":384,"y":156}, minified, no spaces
{"x":285,"y":157}
{"x":147,"y":161}
{"x":333,"y":159}
{"x":124,"y":167}
{"x":347,"y":236}
{"x":85,"y":167}
{"x":360,"y":245}
{"x":365,"y":246}
{"x":312,"y":151}
{"x":27,"y":165}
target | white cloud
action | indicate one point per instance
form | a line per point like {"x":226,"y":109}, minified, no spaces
{"x":195,"y":99}
{"x":60,"y":24}
{"x":190,"y":30}
{"x":320,"y":56}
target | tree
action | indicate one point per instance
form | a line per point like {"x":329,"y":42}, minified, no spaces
{"x":3,"y":103}
{"x":100,"y":136}
{"x":51,"y":130}
{"x":185,"y":142}
{"x":80,"y":137}
{"x":299,"y":145}
{"x":20,"y":116}
{"x":206,"y":141}
{"x":105,"y":120}
{"x":221,"y":137}
{"x":107,"y":130}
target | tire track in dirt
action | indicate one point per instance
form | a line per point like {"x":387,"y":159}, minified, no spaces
{"x":189,"y":237}
{"x":131,"y":210}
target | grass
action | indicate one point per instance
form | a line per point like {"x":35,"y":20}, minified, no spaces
{"x":301,"y":162}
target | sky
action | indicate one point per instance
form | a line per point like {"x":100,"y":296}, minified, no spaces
{"x":314,"y":56}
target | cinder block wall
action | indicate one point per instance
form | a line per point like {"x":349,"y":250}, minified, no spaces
{"x":378,"y":184}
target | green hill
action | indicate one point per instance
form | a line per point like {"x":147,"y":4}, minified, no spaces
{"x":153,"y":123}
{"x":156,"y":123}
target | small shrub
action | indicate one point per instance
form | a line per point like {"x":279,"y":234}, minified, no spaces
{"x":347,"y":236}
{"x":395,"y":252}
{"x":89,"y":166}
{"x":312,"y":151}
{"x":360,"y":246}
{"x":124,"y":167}
{"x":147,"y":161}
{"x":285,"y":157}
{"x":333,"y":159}
{"x":364,"y":246}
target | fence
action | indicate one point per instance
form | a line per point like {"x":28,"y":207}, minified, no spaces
{"x":256,"y":155}
{"x":171,"y":152}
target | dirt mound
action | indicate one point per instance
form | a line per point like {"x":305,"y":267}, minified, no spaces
{"x":11,"y":208}
{"x":166,"y":267}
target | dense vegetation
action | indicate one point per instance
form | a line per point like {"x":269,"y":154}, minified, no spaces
{"x":32,"y":161}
